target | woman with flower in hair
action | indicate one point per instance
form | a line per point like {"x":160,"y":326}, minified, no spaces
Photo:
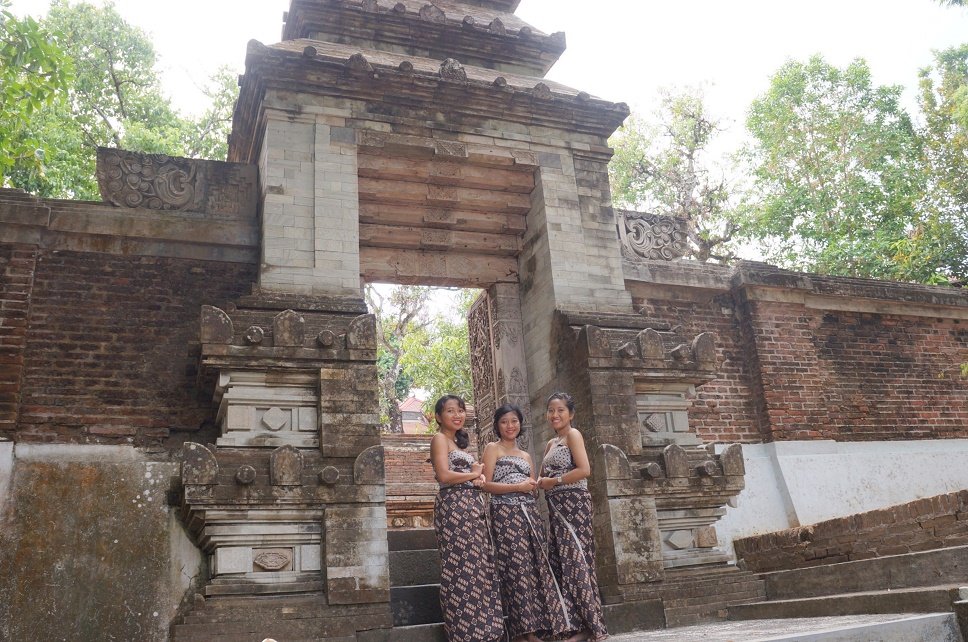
{"x":469,"y":594}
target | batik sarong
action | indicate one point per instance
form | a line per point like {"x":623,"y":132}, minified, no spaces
{"x":571,"y":549}
{"x":469,"y":594}
{"x":532,"y":601}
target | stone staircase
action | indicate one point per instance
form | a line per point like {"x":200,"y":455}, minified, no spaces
{"x":921,"y":582}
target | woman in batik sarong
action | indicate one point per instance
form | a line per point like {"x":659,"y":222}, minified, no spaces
{"x":533,"y":604}
{"x":571,"y":547}
{"x":469,"y":594}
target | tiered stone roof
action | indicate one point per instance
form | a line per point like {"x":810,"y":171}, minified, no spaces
{"x":473,"y":59}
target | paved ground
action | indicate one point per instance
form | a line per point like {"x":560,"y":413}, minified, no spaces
{"x":754,"y":630}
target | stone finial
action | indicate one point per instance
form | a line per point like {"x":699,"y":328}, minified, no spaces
{"x":650,"y":344}
{"x":681,"y":353}
{"x":405,"y":67}
{"x":497,"y":27}
{"x":370,"y":6}
{"x":469,"y":22}
{"x":329,"y":475}
{"x":651,"y":470}
{"x":254,"y":335}
{"x":595,"y":340}
{"x":432,"y":13}
{"x":558,"y":38}
{"x":288,"y":329}
{"x":326,"y":339}
{"x":707,"y":469}
{"x":614,"y":461}
{"x":704,"y":350}
{"x":451,"y":69}
{"x":310,"y":52}
{"x":362,"y":333}
{"x":199,"y":466}
{"x":629,"y":350}
{"x":368,"y":468}
{"x":399,"y":8}
{"x":525,"y":32}
{"x":216,"y":326}
{"x":245,"y":475}
{"x":501,"y":82}
{"x":285,"y":467}
{"x":676,"y":461}
{"x":542,"y":91}
{"x":732,"y":460}
{"x":357,"y":63}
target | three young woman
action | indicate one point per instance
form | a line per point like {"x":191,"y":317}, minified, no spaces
{"x":548,"y":589}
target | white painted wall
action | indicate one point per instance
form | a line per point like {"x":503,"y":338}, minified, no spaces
{"x":798,"y":483}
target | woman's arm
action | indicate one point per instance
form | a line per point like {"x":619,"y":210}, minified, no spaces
{"x":438,"y":458}
{"x":583,"y":470}
{"x":493,"y":487}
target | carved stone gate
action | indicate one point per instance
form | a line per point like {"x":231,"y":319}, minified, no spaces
{"x":414,"y":142}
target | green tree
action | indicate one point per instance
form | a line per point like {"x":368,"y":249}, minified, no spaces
{"x":437,"y":357}
{"x":943,"y":232}
{"x":115,"y":100}
{"x":837,"y":173}
{"x":34,"y":71}
{"x":400,"y":312}
{"x":663,"y":168}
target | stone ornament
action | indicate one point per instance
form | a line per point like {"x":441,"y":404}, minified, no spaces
{"x":285,"y":467}
{"x":732,"y":460}
{"x":432,"y":13}
{"x":369,"y":467}
{"x":676,"y":461}
{"x":704,"y":350}
{"x":150,"y":181}
{"x":650,"y":344}
{"x":216,"y":326}
{"x":326,"y":339}
{"x":272,"y":560}
{"x":245,"y":475}
{"x":362,"y":333}
{"x":451,"y":69}
{"x":199,"y":465}
{"x":329,"y":475}
{"x":288,"y":329}
{"x":254,"y":335}
{"x":651,"y":236}
{"x":358,"y":63}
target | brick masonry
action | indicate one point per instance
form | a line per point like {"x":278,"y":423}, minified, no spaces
{"x":111,"y":347}
{"x":925,"y":524}
{"x":791,"y":371}
{"x":17,"y":264}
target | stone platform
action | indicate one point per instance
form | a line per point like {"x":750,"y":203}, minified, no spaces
{"x":931,"y":627}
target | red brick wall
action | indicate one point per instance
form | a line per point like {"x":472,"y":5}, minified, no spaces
{"x":789,"y":372}
{"x":724,"y":409}
{"x":408,"y":468}
{"x":925,"y":524}
{"x":16,"y":279}
{"x":112,"y":347}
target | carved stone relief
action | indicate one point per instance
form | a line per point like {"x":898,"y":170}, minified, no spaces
{"x":650,"y":236}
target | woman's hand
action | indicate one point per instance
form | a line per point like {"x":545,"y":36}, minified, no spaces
{"x":478,"y":481}
{"x":527,"y":486}
{"x":547,"y":483}
{"x":477,"y":468}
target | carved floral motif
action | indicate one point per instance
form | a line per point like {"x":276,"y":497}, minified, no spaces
{"x":152,"y":181}
{"x":650,"y":236}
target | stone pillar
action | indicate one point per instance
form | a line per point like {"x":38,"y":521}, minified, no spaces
{"x":310,"y":214}
{"x":498,"y":363}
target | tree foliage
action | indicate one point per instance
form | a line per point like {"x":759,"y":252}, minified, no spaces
{"x":400,"y":312}
{"x":437,"y":357}
{"x":943,"y":233}
{"x":663,"y":168}
{"x":34,"y":71}
{"x":837,"y":171}
{"x":115,"y":100}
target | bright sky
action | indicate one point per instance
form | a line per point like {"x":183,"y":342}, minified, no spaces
{"x":621,"y":50}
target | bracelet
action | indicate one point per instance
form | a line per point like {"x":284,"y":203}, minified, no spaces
{"x":558,"y":480}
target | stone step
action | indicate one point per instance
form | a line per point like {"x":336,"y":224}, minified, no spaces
{"x":908,"y":570}
{"x":418,"y":633}
{"x":412,"y":605}
{"x":934,"y":627}
{"x":644,"y":615}
{"x":248,"y":588}
{"x":415,"y":539}
{"x":412,"y":568}
{"x":935,"y":599}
